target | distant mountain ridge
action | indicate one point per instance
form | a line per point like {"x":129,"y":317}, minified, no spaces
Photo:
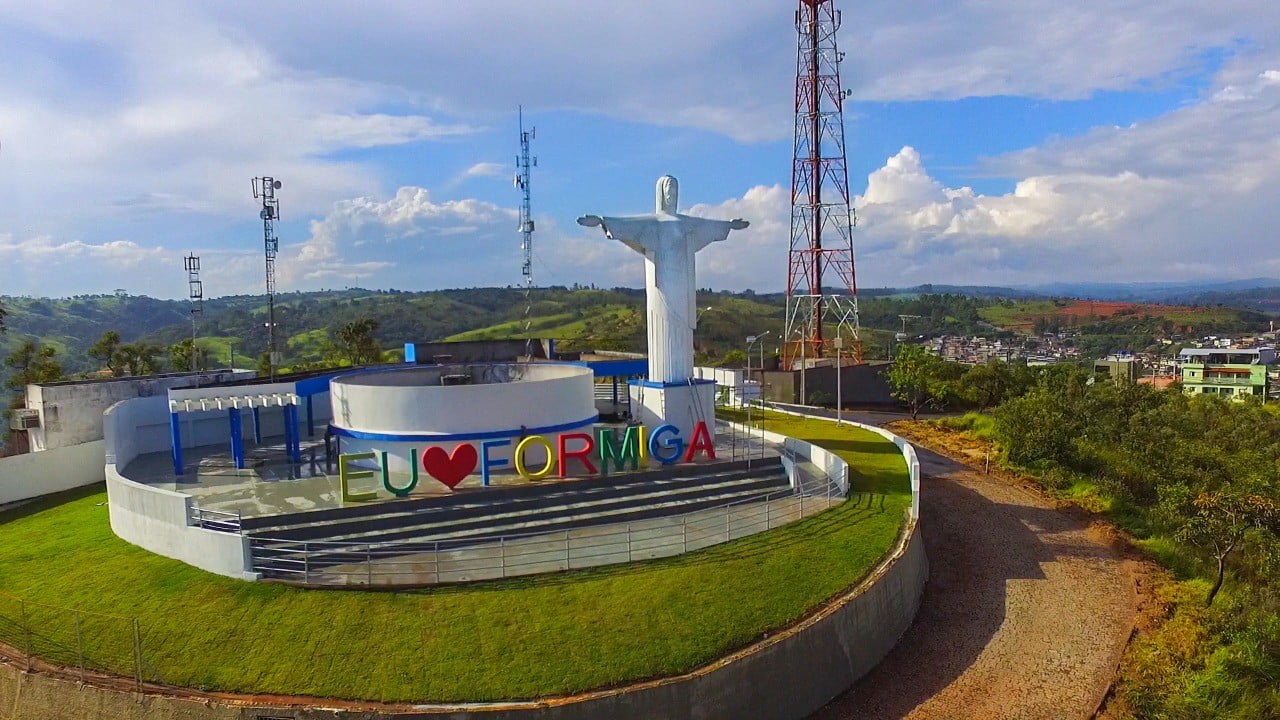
{"x":1154,"y":292}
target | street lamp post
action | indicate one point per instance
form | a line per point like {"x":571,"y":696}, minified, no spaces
{"x":752,"y":340}
{"x":838,"y":342}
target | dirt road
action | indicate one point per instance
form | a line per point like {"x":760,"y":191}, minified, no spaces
{"x":1025,"y":615}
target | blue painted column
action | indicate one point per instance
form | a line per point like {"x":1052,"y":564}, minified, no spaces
{"x":311,"y":423}
{"x":175,"y":437}
{"x":257,"y":427}
{"x":293,"y":443}
{"x":615,"y":391}
{"x":237,"y":437}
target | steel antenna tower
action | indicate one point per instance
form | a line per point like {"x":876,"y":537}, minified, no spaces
{"x":195,"y":291}
{"x":821,"y":218}
{"x":264,"y":188}
{"x":523,"y":164}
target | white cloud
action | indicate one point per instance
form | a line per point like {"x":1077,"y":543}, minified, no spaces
{"x":1188,"y":195}
{"x":486,"y":169}
{"x":160,"y":112}
{"x":427,"y":243}
{"x":730,"y":67}
{"x":157,"y":108}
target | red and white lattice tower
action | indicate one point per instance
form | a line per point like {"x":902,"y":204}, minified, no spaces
{"x":821,"y":218}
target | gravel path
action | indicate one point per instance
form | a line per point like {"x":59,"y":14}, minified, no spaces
{"x":1025,"y":615}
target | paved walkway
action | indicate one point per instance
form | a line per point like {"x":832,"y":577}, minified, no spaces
{"x":1025,"y":615}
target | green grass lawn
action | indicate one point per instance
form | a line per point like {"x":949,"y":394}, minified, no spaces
{"x":510,"y":639}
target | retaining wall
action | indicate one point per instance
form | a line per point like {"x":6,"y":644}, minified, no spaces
{"x":907,"y":449}
{"x":23,"y":477}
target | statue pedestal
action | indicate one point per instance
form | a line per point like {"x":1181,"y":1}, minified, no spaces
{"x":680,"y":404}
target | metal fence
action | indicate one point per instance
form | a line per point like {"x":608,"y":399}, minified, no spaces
{"x":78,"y":641}
{"x":449,"y":561}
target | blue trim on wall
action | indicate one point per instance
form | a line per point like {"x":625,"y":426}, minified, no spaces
{"x":653,"y":384}
{"x":460,"y":437}
{"x":628,"y":367}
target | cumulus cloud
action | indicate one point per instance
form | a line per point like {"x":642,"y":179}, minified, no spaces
{"x":427,"y":243}
{"x":1161,"y":199}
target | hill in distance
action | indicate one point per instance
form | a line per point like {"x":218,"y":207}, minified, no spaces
{"x":580,"y":317}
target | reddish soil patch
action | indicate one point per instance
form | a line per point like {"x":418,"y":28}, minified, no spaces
{"x":1092,"y":308}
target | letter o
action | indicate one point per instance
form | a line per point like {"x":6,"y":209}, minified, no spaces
{"x":519,"y":458}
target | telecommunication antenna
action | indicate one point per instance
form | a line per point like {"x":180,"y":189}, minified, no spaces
{"x":264,"y":188}
{"x":195,"y":291}
{"x":523,"y":164}
{"x":821,"y":218}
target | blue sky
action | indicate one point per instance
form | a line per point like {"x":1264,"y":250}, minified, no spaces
{"x":989,"y":142}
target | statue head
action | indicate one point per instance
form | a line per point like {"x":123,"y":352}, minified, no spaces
{"x":668,"y":193}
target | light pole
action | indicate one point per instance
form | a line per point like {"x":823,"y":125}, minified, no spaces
{"x":838,"y":342}
{"x":752,"y":340}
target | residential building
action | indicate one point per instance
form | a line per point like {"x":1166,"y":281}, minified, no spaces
{"x":1118,"y":368}
{"x":1227,"y":372}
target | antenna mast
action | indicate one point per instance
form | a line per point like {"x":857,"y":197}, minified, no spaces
{"x":265,"y":188}
{"x":821,"y":218}
{"x":523,"y":164}
{"x":195,"y":291}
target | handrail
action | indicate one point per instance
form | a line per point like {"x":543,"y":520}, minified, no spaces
{"x":217,"y":520}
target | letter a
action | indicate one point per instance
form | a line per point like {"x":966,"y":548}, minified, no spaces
{"x":701,"y":441}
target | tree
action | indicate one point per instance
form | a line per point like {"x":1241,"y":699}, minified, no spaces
{"x":3,"y":315}
{"x":32,"y":364}
{"x":992,"y":383}
{"x":1222,"y":519}
{"x":107,"y":352}
{"x":141,"y":358}
{"x":357,"y":342}
{"x":916,"y":377}
{"x":734,"y":358}
{"x":263,"y":367}
{"x":185,"y":356}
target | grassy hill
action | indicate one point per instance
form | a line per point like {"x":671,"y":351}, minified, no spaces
{"x":578,"y":317}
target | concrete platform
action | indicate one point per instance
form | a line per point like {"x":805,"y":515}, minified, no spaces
{"x":269,"y":485}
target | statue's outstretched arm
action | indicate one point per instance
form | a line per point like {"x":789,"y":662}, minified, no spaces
{"x":705,"y":231}
{"x":635,"y":231}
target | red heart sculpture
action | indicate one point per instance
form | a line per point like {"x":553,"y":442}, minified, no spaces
{"x":450,"y":468}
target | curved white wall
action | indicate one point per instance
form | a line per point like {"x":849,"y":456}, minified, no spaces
{"x":396,"y":410}
{"x":412,"y":401}
{"x":153,"y":518}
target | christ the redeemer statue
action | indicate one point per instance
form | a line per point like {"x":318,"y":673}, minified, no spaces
{"x":668,"y":241}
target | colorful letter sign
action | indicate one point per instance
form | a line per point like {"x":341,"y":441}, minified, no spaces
{"x":570,"y":451}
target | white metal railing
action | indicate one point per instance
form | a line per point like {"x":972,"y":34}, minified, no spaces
{"x":215,"y":520}
{"x":459,"y":560}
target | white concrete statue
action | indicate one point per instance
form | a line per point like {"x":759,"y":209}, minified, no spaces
{"x":668,"y":241}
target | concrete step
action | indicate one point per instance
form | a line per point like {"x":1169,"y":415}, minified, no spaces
{"x":596,"y":512}
{"x":320,"y":556}
{"x":532,"y":508}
